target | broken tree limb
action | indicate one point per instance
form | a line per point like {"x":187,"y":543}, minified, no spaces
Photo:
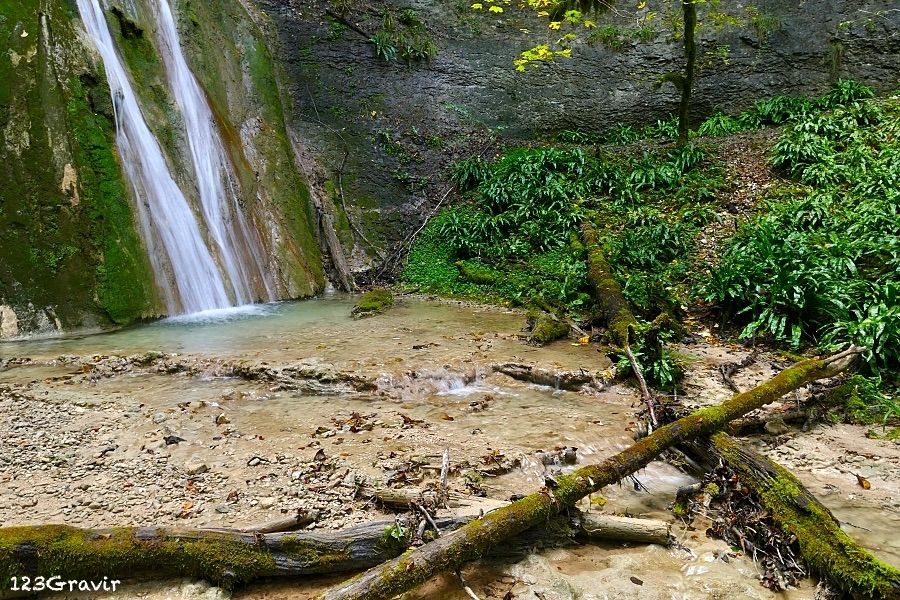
{"x":473,"y":540}
{"x":230,"y":558}
{"x":827,"y":549}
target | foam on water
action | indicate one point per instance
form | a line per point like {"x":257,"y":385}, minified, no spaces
{"x":222,"y":315}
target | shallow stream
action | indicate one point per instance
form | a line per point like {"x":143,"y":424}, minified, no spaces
{"x":82,"y":437}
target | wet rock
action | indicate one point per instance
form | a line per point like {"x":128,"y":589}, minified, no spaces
{"x":776,"y":426}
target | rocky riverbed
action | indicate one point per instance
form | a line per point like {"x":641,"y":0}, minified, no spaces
{"x":303,"y":408}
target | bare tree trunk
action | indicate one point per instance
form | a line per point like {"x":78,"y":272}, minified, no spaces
{"x":473,"y":540}
{"x":689,"y":10}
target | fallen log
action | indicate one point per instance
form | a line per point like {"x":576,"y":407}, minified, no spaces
{"x":473,"y":540}
{"x":229,"y":558}
{"x":555,"y":378}
{"x":825,"y":547}
{"x":614,"y":308}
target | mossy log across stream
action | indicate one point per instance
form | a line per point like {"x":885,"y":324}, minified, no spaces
{"x":473,"y":541}
{"x":825,"y":547}
{"x":229,"y":557}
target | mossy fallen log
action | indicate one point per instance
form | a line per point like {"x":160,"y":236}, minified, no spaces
{"x":473,"y":540}
{"x":616,"y":312}
{"x":827,"y":549}
{"x":231,"y":558}
{"x":614,"y":308}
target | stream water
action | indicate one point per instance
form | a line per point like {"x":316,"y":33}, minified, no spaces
{"x":435,"y":390}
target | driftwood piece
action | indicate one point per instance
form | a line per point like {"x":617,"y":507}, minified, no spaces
{"x":559,"y":379}
{"x":473,"y":540}
{"x":826,"y":548}
{"x":230,"y":558}
{"x":627,"y":529}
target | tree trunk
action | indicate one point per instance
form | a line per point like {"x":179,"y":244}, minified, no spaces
{"x":473,"y":540}
{"x":825,"y":547}
{"x":689,"y":9}
{"x":231,"y":557}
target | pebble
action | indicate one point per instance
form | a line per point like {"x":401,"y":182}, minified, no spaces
{"x":195,"y":466}
{"x":159,"y":418}
{"x":268,"y":502}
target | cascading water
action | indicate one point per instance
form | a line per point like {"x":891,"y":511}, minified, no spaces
{"x":185,"y":268}
{"x":237,"y":244}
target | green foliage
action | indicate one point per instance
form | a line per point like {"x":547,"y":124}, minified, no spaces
{"x":763,"y":23}
{"x":468,"y":174}
{"x":404,"y":36}
{"x":845,"y":92}
{"x":623,"y":134}
{"x":609,"y":36}
{"x":385,"y":47}
{"x":823,"y":264}
{"x":721,"y":124}
{"x":863,"y":402}
{"x":663,"y":129}
{"x":517,"y":239}
{"x":657,"y":362}
{"x":782,"y":109}
{"x":569,"y":136}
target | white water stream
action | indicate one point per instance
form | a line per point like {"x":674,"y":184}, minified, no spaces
{"x":193,"y":274}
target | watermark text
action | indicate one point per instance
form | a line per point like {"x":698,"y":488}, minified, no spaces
{"x":58,"y":584}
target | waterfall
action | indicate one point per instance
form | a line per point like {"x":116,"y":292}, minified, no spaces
{"x":236,"y":243}
{"x":187,"y":269}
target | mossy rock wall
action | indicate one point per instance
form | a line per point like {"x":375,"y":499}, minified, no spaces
{"x":70,"y":255}
{"x":226,"y":49}
{"x":404,"y":123}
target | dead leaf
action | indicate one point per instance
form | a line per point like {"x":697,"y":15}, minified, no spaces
{"x":446,"y":417}
{"x":636,"y":581}
{"x":863,"y":482}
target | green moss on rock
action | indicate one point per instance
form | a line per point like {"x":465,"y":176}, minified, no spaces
{"x":373,"y":302}
{"x":547,"y":328}
{"x":67,"y":237}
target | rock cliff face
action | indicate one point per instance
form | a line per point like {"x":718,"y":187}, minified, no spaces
{"x":389,"y":128}
{"x":302,"y":97}
{"x":69,"y":252}
{"x":70,"y":255}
